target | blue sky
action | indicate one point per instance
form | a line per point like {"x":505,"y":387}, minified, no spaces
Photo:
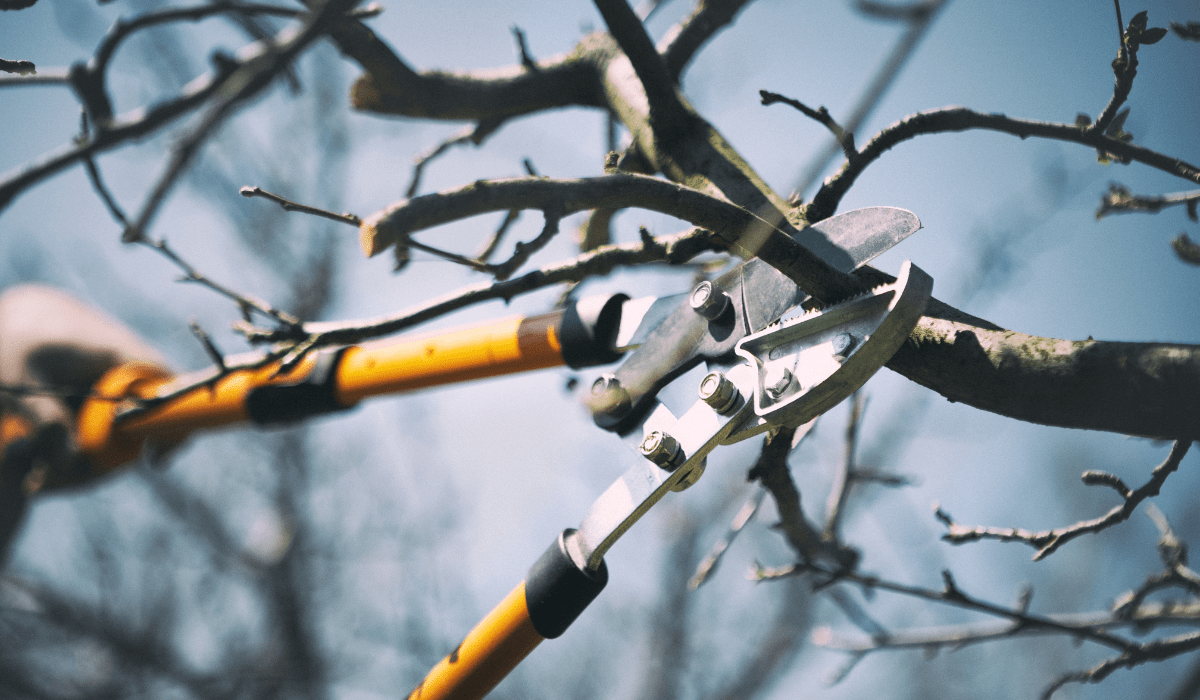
{"x":519,"y":457}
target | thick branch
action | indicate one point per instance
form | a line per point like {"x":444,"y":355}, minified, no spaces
{"x":390,"y":86}
{"x":1147,"y":389}
{"x":666,"y":108}
{"x":746,"y":234}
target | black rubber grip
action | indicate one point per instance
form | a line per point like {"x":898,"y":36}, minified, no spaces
{"x":557,"y":591}
{"x":314,"y":395}
{"x":590,"y":343}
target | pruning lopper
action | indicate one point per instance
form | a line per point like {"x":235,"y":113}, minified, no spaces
{"x":764,"y":374}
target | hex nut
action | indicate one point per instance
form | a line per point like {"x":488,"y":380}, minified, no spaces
{"x":717,"y":391}
{"x":708,"y":301}
{"x":662,"y":449}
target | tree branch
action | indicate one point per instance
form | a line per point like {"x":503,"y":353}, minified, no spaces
{"x":666,"y":111}
{"x":952,"y":119}
{"x":390,"y":86}
{"x":1047,"y":542}
{"x":746,"y":234}
{"x":248,"y":79}
{"x":1119,"y":200}
{"x":684,"y":40}
{"x":1145,"y":389}
{"x":673,"y":250}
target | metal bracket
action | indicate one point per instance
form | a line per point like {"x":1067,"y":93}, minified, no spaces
{"x":808,"y":365}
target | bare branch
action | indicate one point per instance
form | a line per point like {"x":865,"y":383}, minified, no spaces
{"x":247,"y":80}
{"x":1119,"y":200}
{"x":951,"y":594}
{"x":745,"y":233}
{"x":244,"y":302}
{"x":289,"y":205}
{"x":523,"y":50}
{"x":21,"y":68}
{"x":471,"y":134}
{"x":494,"y":242}
{"x":920,"y":17}
{"x":951,"y":119}
{"x":957,"y":636}
{"x":1185,"y":249}
{"x":1047,"y":542}
{"x":845,"y":138}
{"x":708,"y":565}
{"x":48,"y":76}
{"x":210,"y":347}
{"x":681,"y":43}
{"x":666,"y":110}
{"x":835,"y":506}
{"x":674,"y":250}
{"x":1144,"y":389}
{"x":1156,"y":650}
{"x":390,"y":86}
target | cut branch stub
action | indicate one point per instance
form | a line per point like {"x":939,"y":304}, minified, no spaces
{"x":746,"y":234}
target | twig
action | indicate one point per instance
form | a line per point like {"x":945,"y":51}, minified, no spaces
{"x":288,"y":205}
{"x":47,"y":76}
{"x":523,"y":50}
{"x":957,"y":636}
{"x":951,"y":119}
{"x":683,"y":41}
{"x":708,"y":565}
{"x":93,"y":172}
{"x":1048,"y":541}
{"x":244,"y":302}
{"x":951,"y":594}
{"x":494,"y":242}
{"x":1185,"y":249}
{"x":671,"y":249}
{"x":918,"y":24}
{"x":191,"y":274}
{"x":471,"y":134}
{"x":248,"y":79}
{"x":845,"y":138}
{"x":835,"y":506}
{"x":1124,"y":66}
{"x":1119,"y":200}
{"x":138,"y":124}
{"x":210,"y":348}
{"x":1156,"y":650}
{"x":746,"y":233}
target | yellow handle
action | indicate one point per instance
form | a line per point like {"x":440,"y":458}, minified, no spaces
{"x":488,"y":653}
{"x":488,"y":350}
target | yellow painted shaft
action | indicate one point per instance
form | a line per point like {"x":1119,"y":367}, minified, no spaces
{"x":502,"y":347}
{"x":488,"y":653}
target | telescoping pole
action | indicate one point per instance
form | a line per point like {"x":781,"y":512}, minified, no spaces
{"x":543,"y":606}
{"x":114,"y":425}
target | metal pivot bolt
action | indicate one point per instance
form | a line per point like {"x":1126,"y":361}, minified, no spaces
{"x":843,"y":343}
{"x":662,"y":449}
{"x":777,"y":382}
{"x":718,"y":392}
{"x":608,"y":396}
{"x":708,"y":301}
